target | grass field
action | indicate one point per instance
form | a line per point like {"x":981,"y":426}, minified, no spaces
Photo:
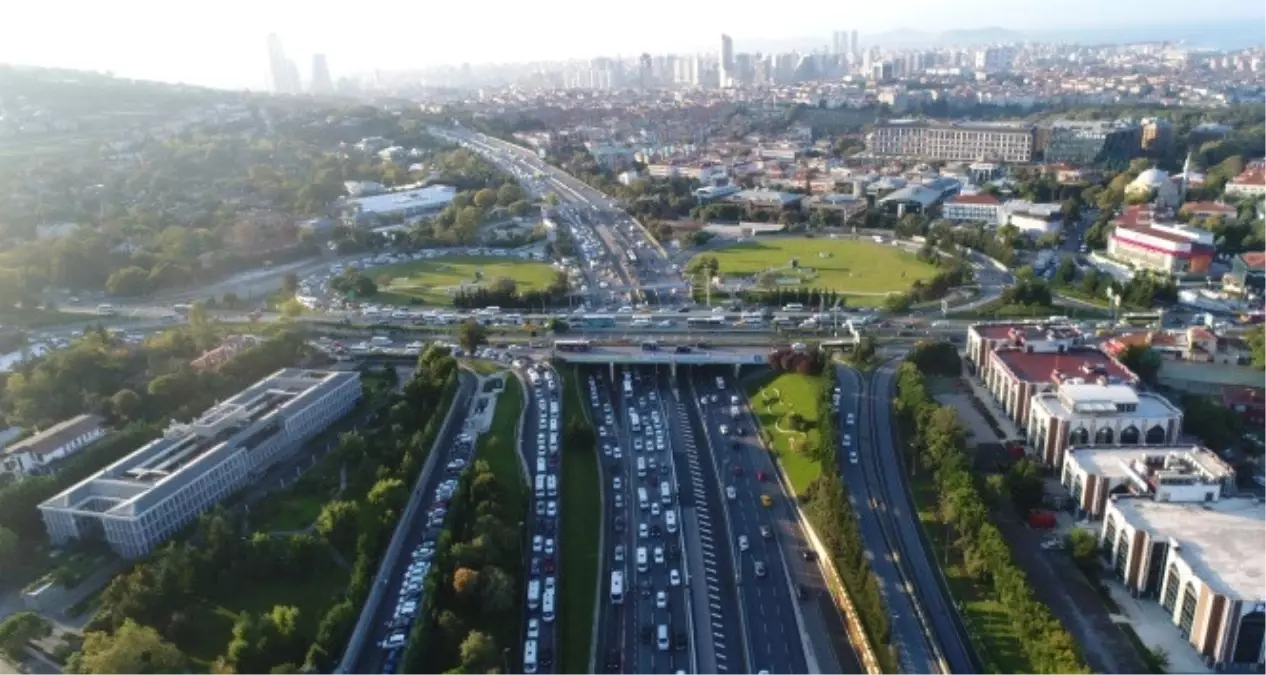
{"x":581,"y":527}
{"x":992,"y":631}
{"x":772,"y":400}
{"x":433,"y":282}
{"x":864,"y":271}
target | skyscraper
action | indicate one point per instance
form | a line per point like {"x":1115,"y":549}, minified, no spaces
{"x":726,"y":62}
{"x":321,"y":83}
{"x":278,"y":71}
{"x":855,"y":47}
{"x":839,"y":43}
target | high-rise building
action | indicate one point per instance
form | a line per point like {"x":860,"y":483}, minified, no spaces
{"x":278,"y":73}
{"x":725,"y":66}
{"x":321,"y":82}
{"x":839,"y":43}
{"x":855,"y":46}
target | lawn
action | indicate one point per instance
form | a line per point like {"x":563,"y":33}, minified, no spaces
{"x":498,"y":446}
{"x":772,"y":401}
{"x":992,"y":631}
{"x":38,"y":318}
{"x":581,"y":527}
{"x":863,"y":270}
{"x":434,"y":282}
{"x":211,"y":625}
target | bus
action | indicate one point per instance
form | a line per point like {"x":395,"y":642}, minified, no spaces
{"x":752,"y":317}
{"x":705,"y":322}
{"x":1140,"y":318}
{"x":635,"y":422}
{"x":628,"y":384}
{"x":529,"y":657}
{"x":571,"y":345}
{"x":597,"y":321}
{"x":617,"y":587}
{"x":793,"y":307}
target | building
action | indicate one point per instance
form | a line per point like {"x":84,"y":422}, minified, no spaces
{"x":406,"y":204}
{"x":1194,"y":343}
{"x":1092,"y":475}
{"x":984,"y":338}
{"x":1034,"y":220}
{"x":1200,"y":211}
{"x":283,"y":76}
{"x":911,"y":198}
{"x":1016,"y":375}
{"x":980,"y":207}
{"x":1247,"y":275}
{"x":38,"y":453}
{"x":321,"y":82}
{"x":952,"y":141}
{"x":770,"y":199}
{"x":611,"y":157}
{"x":1154,"y":185}
{"x":139,"y":501}
{"x":1146,"y":240}
{"x":1249,"y":402}
{"x":1157,"y":135}
{"x":1251,"y":183}
{"x":1078,"y":142}
{"x":1203,"y":561}
{"x":212,"y":359}
{"x":1088,"y":409}
{"x":725,"y":62}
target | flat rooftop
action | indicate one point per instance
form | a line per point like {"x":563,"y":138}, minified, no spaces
{"x":1222,"y":541}
{"x":1031,"y":332}
{"x":1056,"y":367}
{"x":1112,"y":462}
{"x":434,"y":196}
{"x":1147,"y":405}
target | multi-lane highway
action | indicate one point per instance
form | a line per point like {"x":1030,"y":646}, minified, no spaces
{"x":892,"y":504}
{"x":540,"y":445}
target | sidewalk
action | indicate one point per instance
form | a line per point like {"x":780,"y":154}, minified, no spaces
{"x":1009,"y":429}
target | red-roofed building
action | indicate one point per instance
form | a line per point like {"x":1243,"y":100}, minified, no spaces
{"x":1146,"y":238}
{"x":1015,"y":375}
{"x":1247,"y":401}
{"x":1195,"y":343}
{"x":1247,"y":275}
{"x":1199,"y":211}
{"x":984,"y":338}
{"x":1250,"y":183}
{"x":981,"y":207}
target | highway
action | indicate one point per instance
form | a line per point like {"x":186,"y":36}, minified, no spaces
{"x":392,"y":573}
{"x":857,"y":436}
{"x":540,"y":450}
{"x":894,"y":499}
{"x":765,"y":590}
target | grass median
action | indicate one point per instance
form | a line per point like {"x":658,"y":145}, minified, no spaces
{"x":786,"y":406}
{"x":581,"y":515}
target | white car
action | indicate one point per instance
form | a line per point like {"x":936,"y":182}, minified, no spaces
{"x":742,"y":542}
{"x":534,"y":629}
{"x":730,"y":492}
{"x":551,"y":508}
{"x":538,"y":543}
{"x":654,"y":508}
{"x":659,"y":555}
{"x":549,"y":546}
{"x":643,"y":531}
{"x":661,"y":600}
{"x":674,"y":578}
{"x":852,"y":457}
{"x":616,"y":483}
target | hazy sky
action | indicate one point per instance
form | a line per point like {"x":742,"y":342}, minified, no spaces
{"x":222,"y":43}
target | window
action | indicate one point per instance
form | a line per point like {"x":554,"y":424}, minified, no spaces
{"x":1122,"y":563}
{"x":1155,"y":435}
{"x":1130,"y":435}
{"x":1188,"y":614}
{"x":1103,"y":436}
{"x":1079,"y":436}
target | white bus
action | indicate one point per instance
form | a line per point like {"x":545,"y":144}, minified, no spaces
{"x":529,"y":657}
{"x":617,"y":587}
{"x":793,"y":307}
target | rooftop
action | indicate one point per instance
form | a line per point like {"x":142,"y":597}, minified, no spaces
{"x":914,"y":193}
{"x":55,"y":436}
{"x":1254,"y":260}
{"x":1079,"y":400}
{"x":1028,"y":332}
{"x":978,"y":198}
{"x":1073,"y":364}
{"x":435,"y":196}
{"x":1222,"y":541}
{"x":1127,"y":462}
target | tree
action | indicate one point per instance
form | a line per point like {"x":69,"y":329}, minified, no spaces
{"x":290,"y":284}
{"x":471,"y":335}
{"x":1256,"y":338}
{"x":465,"y":581}
{"x":1143,"y":361}
{"x":1084,"y":548}
{"x":1066,"y":273}
{"x":1024,"y":481}
{"x":389,"y":495}
{"x":509,"y":194}
{"x":128,"y":282}
{"x":479,"y":653}
{"x":126,"y":405}
{"x":486,"y":198}
{"x":337,"y":522}
{"x":133,"y":648}
{"x":19,"y":629}
{"x":292,"y":308}
{"x":497,"y":590}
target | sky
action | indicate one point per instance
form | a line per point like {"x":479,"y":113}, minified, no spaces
{"x":222,"y":43}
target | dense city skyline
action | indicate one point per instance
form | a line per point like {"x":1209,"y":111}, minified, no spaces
{"x":126,"y":37}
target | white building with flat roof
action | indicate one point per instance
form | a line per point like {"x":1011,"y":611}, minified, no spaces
{"x":1204,"y":562}
{"x":1098,"y":415}
{"x":1168,"y":474}
{"x":137,"y":502}
{"x":404,"y":204}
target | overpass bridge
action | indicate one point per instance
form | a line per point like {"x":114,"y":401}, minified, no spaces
{"x":634,"y":355}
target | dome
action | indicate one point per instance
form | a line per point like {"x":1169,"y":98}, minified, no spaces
{"x":1151,"y":179}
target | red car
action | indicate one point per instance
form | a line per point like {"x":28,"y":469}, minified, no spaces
{"x":738,"y":470}
{"x":760,"y":476}
{"x":549,"y":565}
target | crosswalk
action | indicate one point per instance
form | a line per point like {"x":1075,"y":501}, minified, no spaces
{"x":707,"y":543}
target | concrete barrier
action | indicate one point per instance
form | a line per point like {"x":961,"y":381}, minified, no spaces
{"x":356,"y":643}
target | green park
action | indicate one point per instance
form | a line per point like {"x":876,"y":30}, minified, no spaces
{"x":864,"y":271}
{"x":435,"y":282}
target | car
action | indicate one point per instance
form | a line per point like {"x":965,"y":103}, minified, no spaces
{"x":534,"y":568}
{"x":618,"y":523}
{"x":674,"y":578}
{"x":616,"y":483}
{"x":661,"y":600}
{"x":551,"y":508}
{"x":549,"y":546}
{"x":654,"y":509}
{"x":850,"y":420}
{"x":548,"y":565}
{"x":738,"y":470}
{"x":538,"y":543}
{"x":766,"y":501}
{"x":642,"y":531}
{"x":619,"y":500}
{"x":540,"y":509}
{"x":760,"y":569}
{"x":730,"y":492}
{"x":852,"y":457}
{"x":743,"y":543}
{"x":659,"y":555}
{"x":760,"y":476}
{"x":534,"y":629}
{"x":766,"y":532}
{"x":808,"y":554}
{"x":619,"y":553}
{"x":802,"y":591}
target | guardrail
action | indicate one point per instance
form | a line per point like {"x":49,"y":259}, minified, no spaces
{"x":356,"y":643}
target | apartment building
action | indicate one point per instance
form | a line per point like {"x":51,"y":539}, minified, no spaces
{"x":952,"y":141}
{"x":980,"y":208}
{"x":1251,"y":183}
{"x":1015,"y":376}
{"x":1147,"y":239}
{"x":984,"y":338}
{"x":1164,"y":474}
{"x":1201,"y":557}
{"x":139,"y":501}
{"x":1033,"y":220}
{"x":1081,"y":412}
{"x":39,"y":452}
{"x":1078,"y":142}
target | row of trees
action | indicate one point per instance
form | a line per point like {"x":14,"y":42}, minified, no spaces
{"x":505,"y":293}
{"x":937,"y":445}
{"x":154,"y":607}
{"x":476,"y":577}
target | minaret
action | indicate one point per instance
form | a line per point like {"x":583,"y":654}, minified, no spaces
{"x":1182,"y":186}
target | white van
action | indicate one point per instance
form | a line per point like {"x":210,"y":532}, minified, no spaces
{"x":642,"y":564}
{"x":642,"y":501}
{"x":540,"y":464}
{"x":529,"y":657}
{"x":551,"y":483}
{"x":540,"y":485}
{"x":641,"y":467}
{"x":661,"y":640}
{"x":380,"y":340}
{"x":670,"y":520}
{"x":534,"y":594}
{"x":553,"y":424}
{"x":547,"y":607}
{"x":105,"y":310}
{"x":665,"y":493}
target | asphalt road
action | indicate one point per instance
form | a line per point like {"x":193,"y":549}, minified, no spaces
{"x":774,"y":642}
{"x":373,"y":658}
{"x":867,"y":495}
{"x":536,"y":444}
{"x":941,"y":616}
